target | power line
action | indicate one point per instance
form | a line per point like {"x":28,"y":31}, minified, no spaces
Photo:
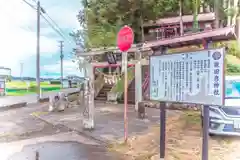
{"x":58,"y":30}
{"x":29,"y":4}
{"x":57,"y":26}
{"x":53,"y":27}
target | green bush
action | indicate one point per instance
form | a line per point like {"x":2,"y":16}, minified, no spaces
{"x":233,"y":69}
{"x":55,"y":82}
{"x":32,"y":88}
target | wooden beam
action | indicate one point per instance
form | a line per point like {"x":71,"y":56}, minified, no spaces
{"x":218,"y":34}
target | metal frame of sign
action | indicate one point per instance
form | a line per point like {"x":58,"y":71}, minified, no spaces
{"x":223,"y":76}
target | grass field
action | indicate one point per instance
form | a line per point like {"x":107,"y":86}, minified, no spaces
{"x":24,"y":84}
{"x":19,"y":88}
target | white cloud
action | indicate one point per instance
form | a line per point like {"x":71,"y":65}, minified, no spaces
{"x":69,"y":68}
{"x":18,"y":43}
{"x":18,"y":31}
{"x":68,"y":17}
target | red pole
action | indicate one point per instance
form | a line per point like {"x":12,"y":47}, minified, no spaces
{"x":125,"y":98}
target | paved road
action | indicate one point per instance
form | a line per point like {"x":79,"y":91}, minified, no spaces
{"x":21,"y":135}
{"x":62,"y":151}
{"x":11,"y":100}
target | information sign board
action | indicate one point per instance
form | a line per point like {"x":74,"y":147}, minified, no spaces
{"x":192,"y":77}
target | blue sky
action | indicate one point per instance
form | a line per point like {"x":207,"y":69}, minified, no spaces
{"x":18,"y":36}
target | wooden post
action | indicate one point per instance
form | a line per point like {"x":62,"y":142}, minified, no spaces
{"x":138,"y":80}
{"x":88,"y":121}
{"x":162,"y":120}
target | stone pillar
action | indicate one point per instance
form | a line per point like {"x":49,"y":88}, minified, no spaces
{"x":62,"y":101}
{"x":88,"y":121}
{"x":138,"y":80}
{"x":52,"y":103}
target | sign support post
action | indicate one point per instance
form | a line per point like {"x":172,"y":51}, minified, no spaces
{"x":125,"y":40}
{"x":205,"y":128}
{"x":162,"y":129}
{"x":125,"y":96}
{"x":163,"y":50}
{"x":138,"y":80}
{"x":205,"y":132}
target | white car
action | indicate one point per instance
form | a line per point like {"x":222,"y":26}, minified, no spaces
{"x":226,"y":120}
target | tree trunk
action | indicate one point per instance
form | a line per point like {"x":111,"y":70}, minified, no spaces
{"x":201,"y":6}
{"x":235,"y":6}
{"x":180,"y":15}
{"x":229,"y":16}
{"x":216,"y":11}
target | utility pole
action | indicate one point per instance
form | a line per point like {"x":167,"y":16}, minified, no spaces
{"x":61,"y":58}
{"x":38,"y":52}
{"x":21,"y":71}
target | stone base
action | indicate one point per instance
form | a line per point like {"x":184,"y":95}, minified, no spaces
{"x":172,"y":106}
{"x":112,"y":97}
{"x":88,"y":124}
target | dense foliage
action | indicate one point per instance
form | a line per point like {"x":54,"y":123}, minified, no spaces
{"x":233,"y":69}
{"x":101,"y":19}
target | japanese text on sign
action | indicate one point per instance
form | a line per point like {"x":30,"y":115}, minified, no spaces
{"x":193,"y":77}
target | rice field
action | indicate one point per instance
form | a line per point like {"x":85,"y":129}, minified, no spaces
{"x":19,"y":88}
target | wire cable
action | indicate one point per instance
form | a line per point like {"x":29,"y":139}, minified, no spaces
{"x":57,"y":26}
{"x":29,"y":4}
{"x":43,"y":12}
{"x":53,"y":24}
{"x":56,"y":29}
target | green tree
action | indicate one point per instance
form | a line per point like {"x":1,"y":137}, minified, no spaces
{"x":102,"y":19}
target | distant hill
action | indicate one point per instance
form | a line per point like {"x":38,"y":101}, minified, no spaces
{"x":23,"y":78}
